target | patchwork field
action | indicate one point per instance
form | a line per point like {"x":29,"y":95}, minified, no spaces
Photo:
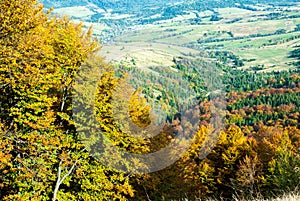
{"x":263,"y":37}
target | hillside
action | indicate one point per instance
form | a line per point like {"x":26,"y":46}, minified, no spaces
{"x":118,"y":16}
{"x":150,"y":33}
{"x":180,"y":100}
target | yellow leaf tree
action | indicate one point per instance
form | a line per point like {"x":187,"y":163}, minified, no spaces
{"x":42,"y":156}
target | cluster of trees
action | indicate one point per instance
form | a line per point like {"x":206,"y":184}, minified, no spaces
{"x":42,"y":156}
{"x":257,"y":152}
{"x":274,"y":41}
{"x":243,"y":81}
{"x":250,"y":157}
{"x":227,"y":58}
{"x":295,"y":53}
{"x":275,"y":108}
{"x":264,"y":164}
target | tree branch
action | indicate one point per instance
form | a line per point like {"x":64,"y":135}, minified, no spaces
{"x":60,"y":180}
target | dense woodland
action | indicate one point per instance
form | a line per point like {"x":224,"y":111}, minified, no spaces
{"x":46,"y":62}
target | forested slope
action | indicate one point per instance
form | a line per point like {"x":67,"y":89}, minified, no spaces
{"x":52,"y":83}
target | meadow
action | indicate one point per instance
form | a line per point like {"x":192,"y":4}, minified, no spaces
{"x":264,"y":37}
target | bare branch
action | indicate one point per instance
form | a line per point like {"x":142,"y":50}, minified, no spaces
{"x":69,"y":172}
{"x":60,"y":180}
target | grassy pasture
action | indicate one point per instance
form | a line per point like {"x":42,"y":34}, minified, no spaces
{"x":272,"y":57}
{"x":76,"y":11}
{"x":257,"y":42}
{"x":231,"y":13}
{"x":268,"y":57}
{"x":183,"y":34}
{"x":157,"y":44}
{"x":144,"y":54}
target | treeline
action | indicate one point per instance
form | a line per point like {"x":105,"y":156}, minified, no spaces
{"x":271,"y":42}
{"x":295,"y":53}
{"x":243,"y":81}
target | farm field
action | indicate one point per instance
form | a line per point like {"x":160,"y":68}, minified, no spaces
{"x":264,"y":37}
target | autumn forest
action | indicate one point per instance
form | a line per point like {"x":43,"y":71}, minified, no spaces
{"x":65,"y":111}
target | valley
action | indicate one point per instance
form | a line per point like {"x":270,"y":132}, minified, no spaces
{"x":151,"y":34}
{"x":162,"y":100}
{"x":258,"y":40}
